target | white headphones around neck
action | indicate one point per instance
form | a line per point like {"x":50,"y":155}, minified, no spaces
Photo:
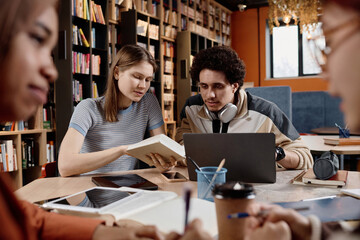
{"x":225,"y":115}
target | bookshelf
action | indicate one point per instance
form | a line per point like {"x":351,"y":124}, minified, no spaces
{"x":143,"y":29}
{"x":147,"y":29}
{"x":168,"y":28}
{"x":83,"y":68}
{"x":23,"y":171}
{"x":207,"y":18}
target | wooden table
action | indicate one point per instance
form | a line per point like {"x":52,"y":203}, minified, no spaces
{"x":331,"y":131}
{"x":317,"y":145}
{"x":280,"y":191}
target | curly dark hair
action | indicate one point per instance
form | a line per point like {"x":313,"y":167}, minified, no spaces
{"x":219,"y":58}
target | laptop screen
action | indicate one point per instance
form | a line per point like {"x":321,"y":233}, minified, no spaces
{"x":250,"y":157}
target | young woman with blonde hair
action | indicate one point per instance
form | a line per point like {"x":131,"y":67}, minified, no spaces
{"x":101,"y":129}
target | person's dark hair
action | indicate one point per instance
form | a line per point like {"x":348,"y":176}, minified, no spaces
{"x":219,"y":58}
{"x":127,"y":57}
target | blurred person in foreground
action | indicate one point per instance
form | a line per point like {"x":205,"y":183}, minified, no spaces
{"x":341,"y":68}
{"x":28,"y":33}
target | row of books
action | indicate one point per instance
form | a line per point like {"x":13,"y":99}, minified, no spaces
{"x":170,"y":31}
{"x":168,"y":66}
{"x":13,"y":126}
{"x":80,"y":8}
{"x":7,"y":126}
{"x":29,"y":153}
{"x":201,"y":4}
{"x":79,"y":37}
{"x":48,"y":117}
{"x":50,"y":152}
{"x":8,"y":160}
{"x":154,"y":31}
{"x":77,"y":91}
{"x":114,"y":32}
{"x":169,"y":98}
{"x":143,"y":6}
{"x":225,"y":17}
{"x":81,"y":63}
{"x":95,"y":64}
{"x":168,"y":81}
{"x":225,"y":29}
{"x":94,"y":90}
{"x":169,"y":49}
{"x":187,"y":11}
{"x":143,"y":28}
{"x":168,"y":115}
{"x":93,"y":38}
{"x":170,"y":18}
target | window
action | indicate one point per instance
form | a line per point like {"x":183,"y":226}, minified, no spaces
{"x":290,"y":55}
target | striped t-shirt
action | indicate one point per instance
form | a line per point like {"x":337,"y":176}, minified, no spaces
{"x":88,"y":119}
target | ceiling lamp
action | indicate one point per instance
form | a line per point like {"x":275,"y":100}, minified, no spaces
{"x":304,"y":12}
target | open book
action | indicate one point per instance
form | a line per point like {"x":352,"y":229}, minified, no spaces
{"x":161,"y":208}
{"x":160,"y":144}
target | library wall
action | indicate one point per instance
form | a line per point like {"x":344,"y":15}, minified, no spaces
{"x":245,"y":31}
{"x":245,"y":41}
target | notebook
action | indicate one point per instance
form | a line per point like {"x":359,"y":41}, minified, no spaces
{"x":163,"y":209}
{"x":329,"y":209}
{"x":352,"y":192}
{"x":250,"y":157}
{"x":339,"y":179}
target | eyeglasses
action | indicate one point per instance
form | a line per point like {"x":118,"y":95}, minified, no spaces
{"x":317,"y":44}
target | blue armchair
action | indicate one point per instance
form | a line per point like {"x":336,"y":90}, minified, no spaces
{"x":280,"y":95}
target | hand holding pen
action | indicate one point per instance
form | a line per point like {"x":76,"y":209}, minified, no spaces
{"x":264,"y":213}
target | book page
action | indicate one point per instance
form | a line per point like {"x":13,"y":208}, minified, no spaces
{"x":160,"y":144}
{"x":170,"y":215}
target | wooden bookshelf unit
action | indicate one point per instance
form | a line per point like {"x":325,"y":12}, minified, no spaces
{"x":22,"y":173}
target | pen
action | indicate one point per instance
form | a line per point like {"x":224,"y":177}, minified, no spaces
{"x":213,"y":178}
{"x":187,"y":194}
{"x":342,"y":130}
{"x":198,"y":168}
{"x":262,"y":213}
{"x":194,"y":163}
{"x":319,"y":198}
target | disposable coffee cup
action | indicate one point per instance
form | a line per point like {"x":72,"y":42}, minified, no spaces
{"x":230,"y":198}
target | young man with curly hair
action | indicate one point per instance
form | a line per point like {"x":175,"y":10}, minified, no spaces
{"x":222,"y":106}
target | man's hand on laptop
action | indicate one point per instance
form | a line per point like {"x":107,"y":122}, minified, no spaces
{"x":161,"y":163}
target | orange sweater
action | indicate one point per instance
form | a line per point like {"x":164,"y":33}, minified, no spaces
{"x":23,"y":220}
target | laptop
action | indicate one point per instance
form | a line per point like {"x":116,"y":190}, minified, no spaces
{"x":250,"y":157}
